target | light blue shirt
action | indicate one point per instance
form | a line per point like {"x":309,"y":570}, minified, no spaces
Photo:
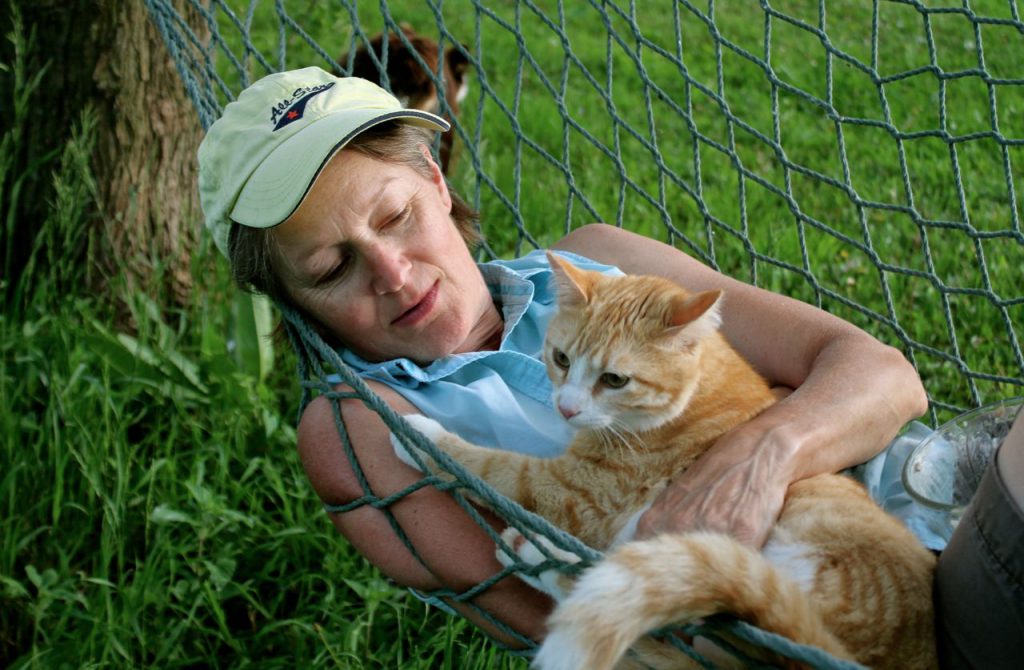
{"x":502,"y":398}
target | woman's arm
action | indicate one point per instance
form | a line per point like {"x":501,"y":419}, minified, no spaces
{"x":456,"y":552}
{"x":851,"y":394}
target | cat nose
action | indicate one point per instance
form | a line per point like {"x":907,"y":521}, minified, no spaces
{"x":568,"y":413}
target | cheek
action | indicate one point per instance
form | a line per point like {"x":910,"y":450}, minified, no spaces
{"x":350,"y":320}
{"x":459,"y":257}
{"x":628,"y":406}
{"x":611,"y":403}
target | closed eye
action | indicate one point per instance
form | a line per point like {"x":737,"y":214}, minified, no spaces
{"x":335,"y":273}
{"x":400,"y":217}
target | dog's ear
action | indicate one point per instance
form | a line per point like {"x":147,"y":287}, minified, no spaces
{"x":362,"y":64}
{"x":457,"y":63}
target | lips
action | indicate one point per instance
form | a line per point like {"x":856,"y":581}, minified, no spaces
{"x":419,"y":311}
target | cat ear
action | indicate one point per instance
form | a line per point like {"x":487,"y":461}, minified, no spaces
{"x":694,"y":317}
{"x":572,"y":284}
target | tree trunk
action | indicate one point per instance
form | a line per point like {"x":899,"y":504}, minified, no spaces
{"x":109,"y":55}
{"x":146,"y":161}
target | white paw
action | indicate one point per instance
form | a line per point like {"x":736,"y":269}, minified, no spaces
{"x":513,"y":539}
{"x":561,"y":651}
{"x":430,"y":428}
{"x":533,"y":553}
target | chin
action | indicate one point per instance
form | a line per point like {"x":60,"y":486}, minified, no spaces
{"x":430,"y":349}
{"x":453,"y":338}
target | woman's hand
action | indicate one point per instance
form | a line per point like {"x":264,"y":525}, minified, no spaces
{"x":737,"y":487}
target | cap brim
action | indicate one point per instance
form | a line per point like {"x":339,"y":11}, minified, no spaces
{"x":280,"y":183}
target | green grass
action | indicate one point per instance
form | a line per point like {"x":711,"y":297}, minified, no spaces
{"x":154,"y":510}
{"x":155,"y":513}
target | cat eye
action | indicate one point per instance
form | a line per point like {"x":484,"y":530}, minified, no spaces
{"x":612,"y":380}
{"x":560,"y":359}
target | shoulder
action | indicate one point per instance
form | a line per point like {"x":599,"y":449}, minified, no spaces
{"x":600,"y":241}
{"x":535,"y":264}
{"x":591,"y":239}
{"x":629,"y":251}
{"x":637,"y":254}
{"x":324,"y":455}
{"x":319,"y":419}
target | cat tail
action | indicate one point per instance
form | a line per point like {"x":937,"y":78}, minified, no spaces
{"x":674,"y":579}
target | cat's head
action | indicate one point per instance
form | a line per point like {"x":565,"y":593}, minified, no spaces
{"x":624,"y":352}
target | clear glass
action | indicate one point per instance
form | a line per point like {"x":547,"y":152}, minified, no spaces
{"x":944,"y":471}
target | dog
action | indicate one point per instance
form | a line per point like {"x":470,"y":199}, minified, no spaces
{"x":413,"y":84}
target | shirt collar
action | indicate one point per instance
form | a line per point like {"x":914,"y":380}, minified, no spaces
{"x":513,"y":292}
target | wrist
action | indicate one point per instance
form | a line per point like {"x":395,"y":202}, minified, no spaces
{"x":778,"y":444}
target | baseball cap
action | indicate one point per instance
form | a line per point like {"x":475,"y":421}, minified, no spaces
{"x":261,"y":157}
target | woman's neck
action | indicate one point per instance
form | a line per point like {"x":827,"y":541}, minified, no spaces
{"x":486,"y":335}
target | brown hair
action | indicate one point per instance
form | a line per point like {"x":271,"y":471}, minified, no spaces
{"x":251,"y":251}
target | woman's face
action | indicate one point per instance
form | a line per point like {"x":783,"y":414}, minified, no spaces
{"x":373,"y":254}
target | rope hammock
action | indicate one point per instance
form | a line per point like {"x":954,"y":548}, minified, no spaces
{"x":865,"y":158}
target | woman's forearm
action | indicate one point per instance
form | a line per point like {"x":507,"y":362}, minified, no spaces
{"x":858,"y":395}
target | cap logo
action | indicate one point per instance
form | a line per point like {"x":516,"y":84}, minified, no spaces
{"x":293,"y":107}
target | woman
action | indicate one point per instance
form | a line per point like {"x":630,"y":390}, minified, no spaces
{"x":323,"y":195}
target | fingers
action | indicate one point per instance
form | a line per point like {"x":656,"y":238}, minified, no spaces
{"x":746,"y":513}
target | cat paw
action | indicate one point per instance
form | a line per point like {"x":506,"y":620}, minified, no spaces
{"x":430,"y":428}
{"x":514,"y":539}
{"x":532,"y":553}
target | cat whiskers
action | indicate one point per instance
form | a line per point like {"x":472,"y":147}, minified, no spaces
{"x":620,"y":434}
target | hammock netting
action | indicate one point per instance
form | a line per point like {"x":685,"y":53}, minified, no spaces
{"x":864,"y":157}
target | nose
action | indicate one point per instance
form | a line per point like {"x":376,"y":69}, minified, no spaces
{"x":389,"y":267}
{"x":568,"y":412}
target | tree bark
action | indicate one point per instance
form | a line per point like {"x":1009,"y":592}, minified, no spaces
{"x":109,"y":55}
{"x":146,"y":161}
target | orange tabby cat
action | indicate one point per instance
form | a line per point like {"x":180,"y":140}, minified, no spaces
{"x":639,"y":367}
